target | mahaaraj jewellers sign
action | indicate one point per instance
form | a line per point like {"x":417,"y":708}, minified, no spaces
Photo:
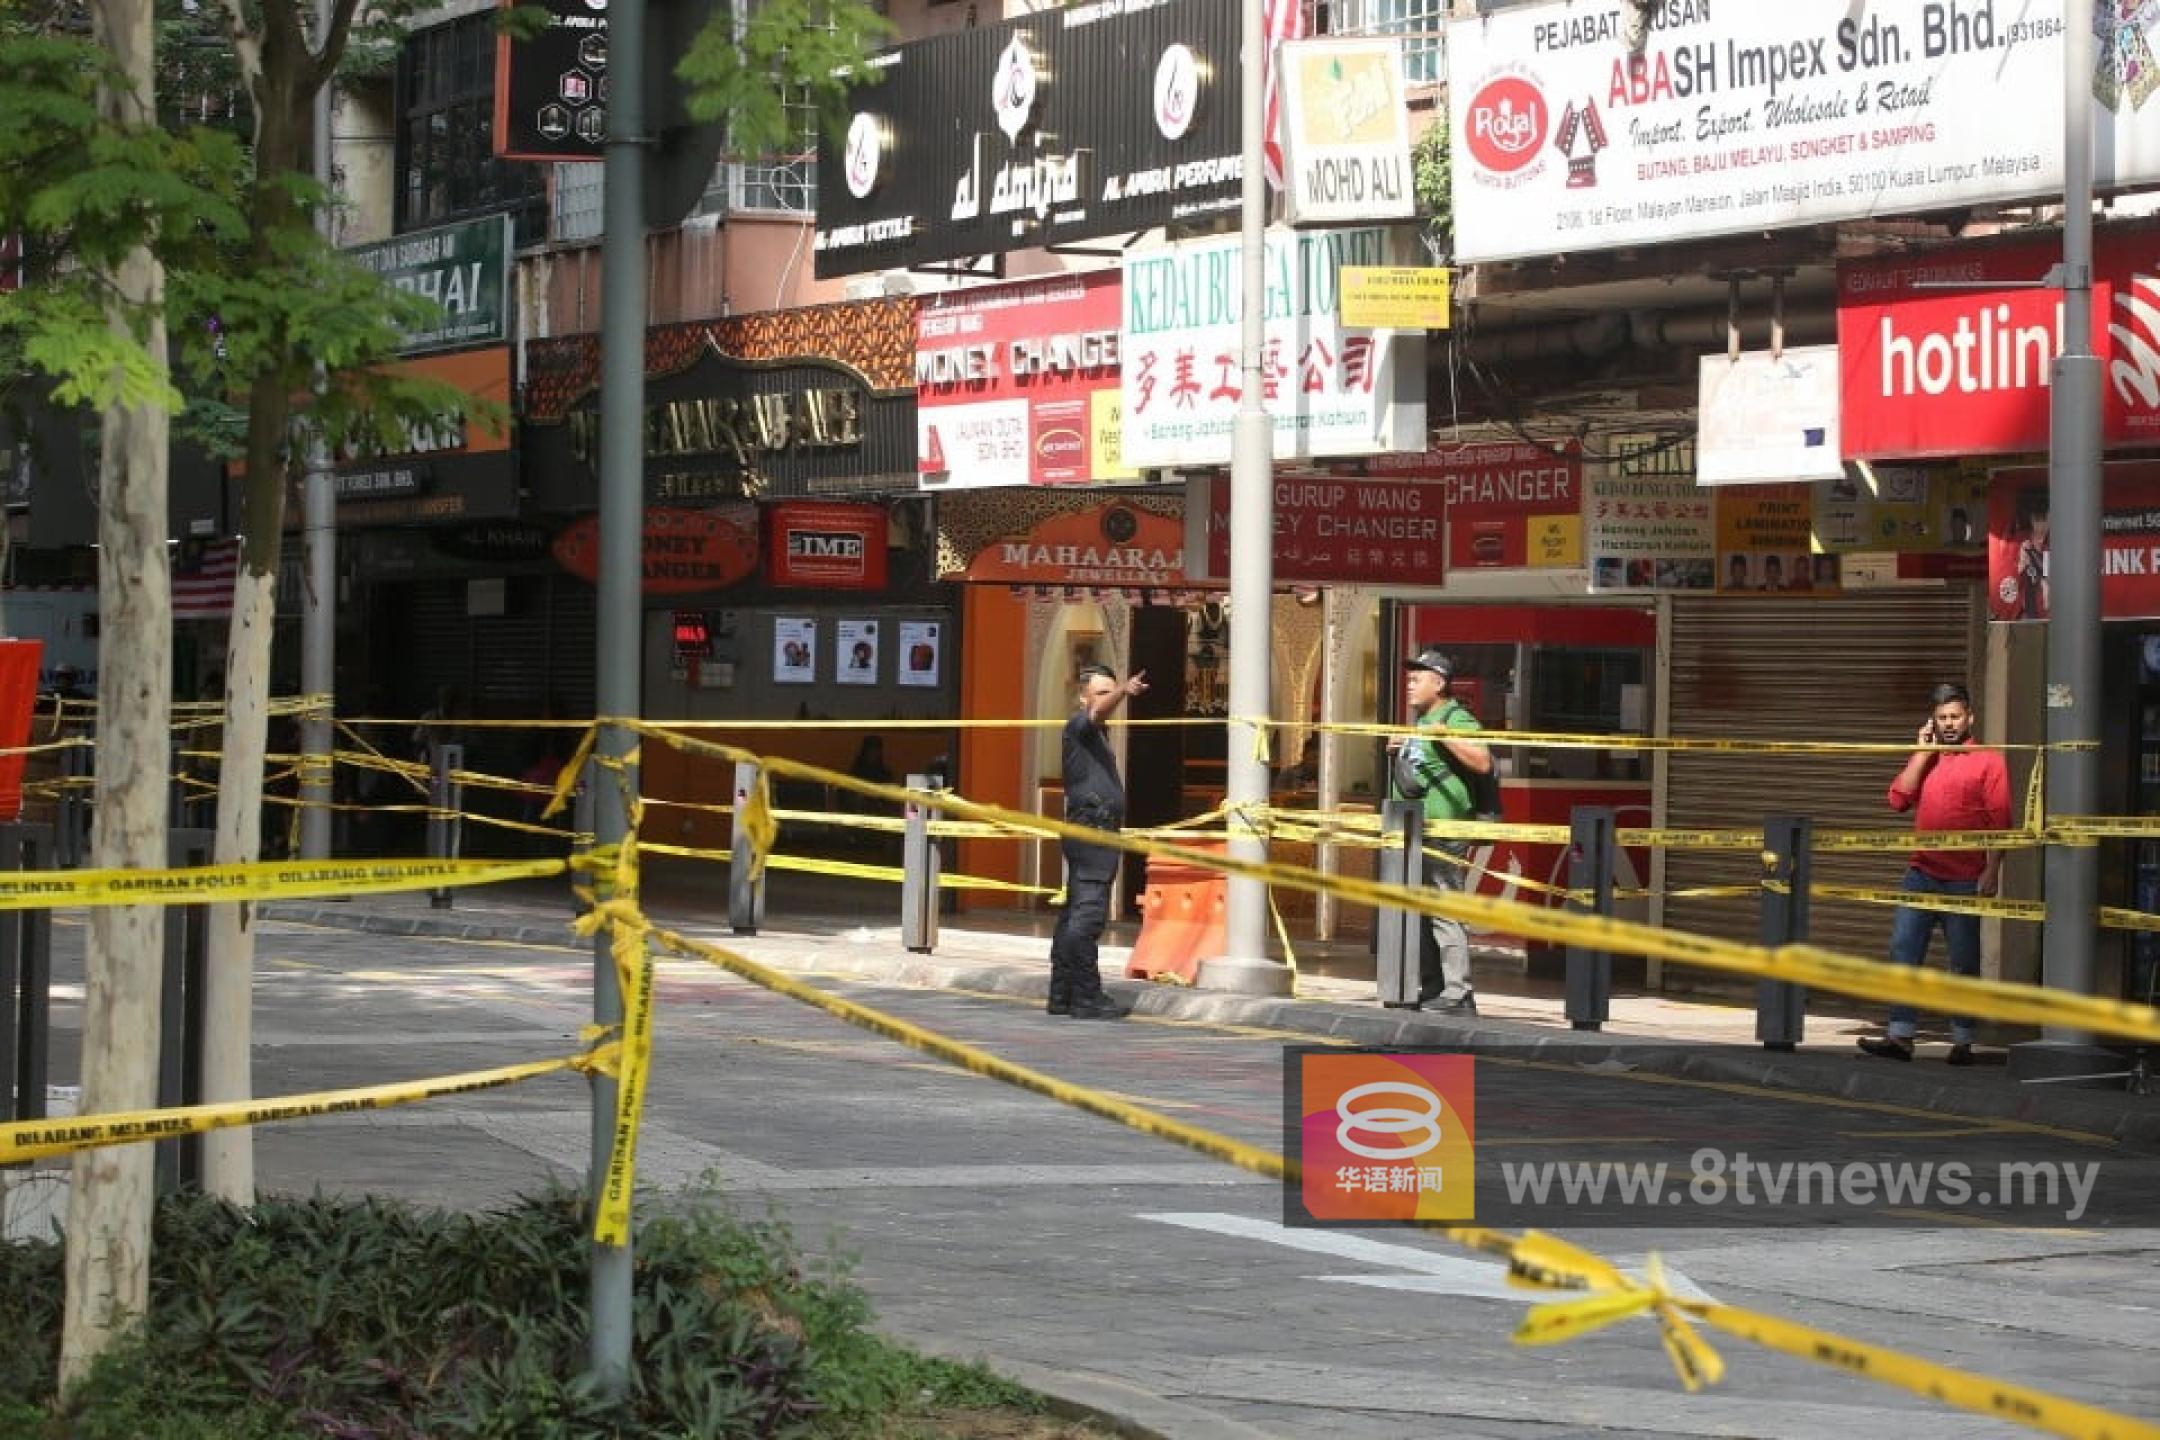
{"x":1018,"y":384}
{"x":1329,"y":389}
{"x":1098,"y":118}
{"x":1738,"y":117}
{"x":1951,"y":351}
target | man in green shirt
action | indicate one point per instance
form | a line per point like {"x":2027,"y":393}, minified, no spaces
{"x":1430,"y":768}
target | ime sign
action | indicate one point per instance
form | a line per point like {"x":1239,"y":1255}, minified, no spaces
{"x":826,"y":545}
{"x":1952,"y":351}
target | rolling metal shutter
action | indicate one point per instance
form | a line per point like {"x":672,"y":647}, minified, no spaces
{"x":1854,"y":667}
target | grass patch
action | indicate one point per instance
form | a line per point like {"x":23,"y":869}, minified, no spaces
{"x":367,"y":1320}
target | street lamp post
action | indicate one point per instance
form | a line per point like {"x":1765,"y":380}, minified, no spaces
{"x":2073,"y":696}
{"x":1244,"y":967}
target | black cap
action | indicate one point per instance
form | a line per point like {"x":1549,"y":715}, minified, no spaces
{"x":1434,"y":659}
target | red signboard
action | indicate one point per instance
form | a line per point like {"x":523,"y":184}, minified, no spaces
{"x":19,"y":661}
{"x":685,"y":550}
{"x":1333,"y":529}
{"x":1018,"y":384}
{"x":1951,"y":351}
{"x":824,"y":545}
{"x":2018,"y":551}
{"x":1494,"y":491}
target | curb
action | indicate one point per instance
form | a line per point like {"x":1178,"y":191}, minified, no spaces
{"x":2119,"y":1117}
{"x":1101,"y":1400}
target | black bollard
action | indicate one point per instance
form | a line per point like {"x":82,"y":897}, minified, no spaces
{"x":1781,"y":1007}
{"x":1590,"y":869}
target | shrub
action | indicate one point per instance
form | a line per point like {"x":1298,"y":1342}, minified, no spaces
{"x":367,"y":1320}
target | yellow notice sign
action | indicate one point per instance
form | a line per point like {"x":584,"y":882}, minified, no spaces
{"x":1555,"y":541}
{"x":1396,"y":297}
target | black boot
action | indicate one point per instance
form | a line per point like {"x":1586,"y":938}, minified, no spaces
{"x":1099,"y":1006}
{"x":1060,"y":995}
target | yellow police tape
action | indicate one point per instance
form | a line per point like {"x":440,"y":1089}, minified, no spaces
{"x":2110,"y":917}
{"x":1534,"y":1260}
{"x":1677,"y":744}
{"x":1810,"y":965}
{"x":261,"y":880}
{"x":849,"y":868}
{"x":37,"y":1139}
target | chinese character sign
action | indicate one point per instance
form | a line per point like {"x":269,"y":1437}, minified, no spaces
{"x":1329,"y":389}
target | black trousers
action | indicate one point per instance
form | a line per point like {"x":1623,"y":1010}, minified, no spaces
{"x":1075,"y":971}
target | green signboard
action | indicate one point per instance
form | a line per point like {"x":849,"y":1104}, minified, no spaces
{"x":464,"y":268}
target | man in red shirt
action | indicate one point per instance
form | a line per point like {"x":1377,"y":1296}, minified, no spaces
{"x":1949,"y":784}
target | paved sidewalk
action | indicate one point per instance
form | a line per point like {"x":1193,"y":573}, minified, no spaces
{"x":1702,"y":1038}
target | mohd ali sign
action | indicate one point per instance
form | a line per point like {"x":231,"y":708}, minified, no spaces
{"x":1099,"y":118}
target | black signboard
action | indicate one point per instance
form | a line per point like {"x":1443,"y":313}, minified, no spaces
{"x":551,"y":91}
{"x":729,"y":429}
{"x":1104,"y":117}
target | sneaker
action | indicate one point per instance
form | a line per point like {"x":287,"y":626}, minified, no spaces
{"x":1886,"y":1047}
{"x":1467,"y":1005}
{"x":1960,"y":1055}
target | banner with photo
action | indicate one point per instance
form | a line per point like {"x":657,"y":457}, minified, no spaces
{"x":1765,"y":541}
{"x":794,"y":650}
{"x":1649,"y":526}
{"x":920,"y":653}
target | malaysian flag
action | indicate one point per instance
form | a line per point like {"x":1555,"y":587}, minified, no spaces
{"x":203,"y":589}
{"x":1280,"y":20}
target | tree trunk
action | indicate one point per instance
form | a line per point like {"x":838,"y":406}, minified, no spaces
{"x":228,"y":1002}
{"x":108,"y":1219}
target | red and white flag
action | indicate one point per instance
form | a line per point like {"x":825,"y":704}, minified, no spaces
{"x":1280,"y":20}
{"x":203,"y":590}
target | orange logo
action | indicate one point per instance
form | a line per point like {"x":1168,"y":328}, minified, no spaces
{"x":1386,"y":1136}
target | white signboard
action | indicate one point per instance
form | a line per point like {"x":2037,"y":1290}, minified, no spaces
{"x":1738,"y":117}
{"x":919,"y":653}
{"x":1766,"y":418}
{"x":1346,"y":132}
{"x":1329,"y":390}
{"x":1650,"y":527}
{"x":856,"y":652}
{"x":794,"y":651}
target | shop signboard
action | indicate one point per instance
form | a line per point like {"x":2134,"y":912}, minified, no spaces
{"x":1511,"y":504}
{"x":1951,"y":351}
{"x":1346,"y":131}
{"x":1018,"y":384}
{"x":1073,"y":123}
{"x":1330,"y":389}
{"x":1765,"y":541}
{"x":1338,"y":530}
{"x":684,"y":550}
{"x":460,"y":470}
{"x":1107,"y":545}
{"x":1567,"y":133}
{"x":462,"y":268}
{"x":1649,"y":526}
{"x":2018,"y":550}
{"x":1768,"y":416}
{"x":825,"y":545}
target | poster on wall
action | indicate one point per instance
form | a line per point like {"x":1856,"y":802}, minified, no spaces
{"x":1649,"y":526}
{"x":1900,"y":509}
{"x":1765,"y":541}
{"x":920,"y":652}
{"x":2018,"y":551}
{"x":794,"y":651}
{"x":856,"y":647}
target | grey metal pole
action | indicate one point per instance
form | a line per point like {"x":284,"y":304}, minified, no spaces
{"x":318,"y":632}
{"x":1245,"y":967}
{"x":622,"y":529}
{"x":2073,"y":699}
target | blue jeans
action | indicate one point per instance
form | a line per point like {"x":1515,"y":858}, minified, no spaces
{"x":1910,"y":930}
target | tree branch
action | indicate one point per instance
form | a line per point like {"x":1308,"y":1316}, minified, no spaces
{"x":332,"y":53}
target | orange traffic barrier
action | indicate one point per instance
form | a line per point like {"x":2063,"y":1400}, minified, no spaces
{"x":1181,"y":917}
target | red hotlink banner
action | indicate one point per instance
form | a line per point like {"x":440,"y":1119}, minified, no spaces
{"x":1951,"y":351}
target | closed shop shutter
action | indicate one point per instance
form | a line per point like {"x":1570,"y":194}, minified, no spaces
{"x":1856,"y":667}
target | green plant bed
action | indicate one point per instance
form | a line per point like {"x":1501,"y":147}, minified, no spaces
{"x":365,"y":1320}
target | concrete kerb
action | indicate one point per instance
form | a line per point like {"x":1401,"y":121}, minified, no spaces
{"x":2129,"y":1119}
